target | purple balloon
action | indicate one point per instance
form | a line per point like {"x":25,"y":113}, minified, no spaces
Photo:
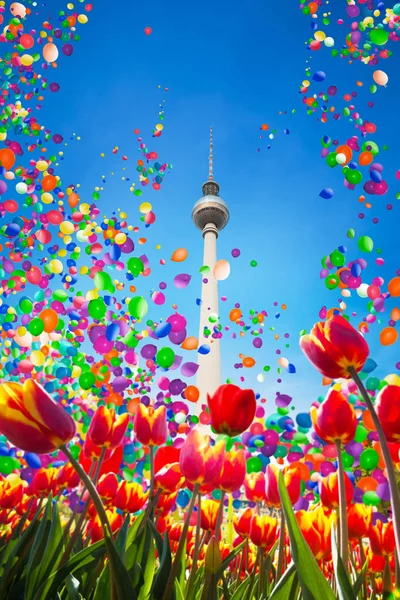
{"x":257,"y":342}
{"x":369,"y":187}
{"x":95,"y":332}
{"x":181,"y":281}
{"x":120,"y":384}
{"x":177,"y":337}
{"x":148,"y":351}
{"x":127,"y":247}
{"x":3,"y":187}
{"x":102,"y":345}
{"x":175,"y":387}
{"x":189,"y":369}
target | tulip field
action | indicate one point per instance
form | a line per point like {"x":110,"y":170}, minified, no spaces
{"x":117,"y":482}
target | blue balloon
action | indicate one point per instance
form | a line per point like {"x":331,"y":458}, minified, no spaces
{"x":291,"y":368}
{"x":33,"y":460}
{"x":319,"y":76}
{"x":163,"y":330}
{"x":356,"y":269}
{"x":326,"y":193}
{"x":376,"y":176}
{"x":303,"y":420}
{"x":204,"y":349}
{"x":182,"y":499}
{"x":369,"y":366}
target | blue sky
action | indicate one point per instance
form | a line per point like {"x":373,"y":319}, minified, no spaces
{"x":233,"y":67}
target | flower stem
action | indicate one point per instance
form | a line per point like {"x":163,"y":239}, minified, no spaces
{"x":391,"y":474}
{"x":92,"y":491}
{"x":220,"y":516}
{"x":151,"y":491}
{"x":281,"y":547}
{"x":174,"y":570}
{"x":344,"y":533}
{"x":196,"y":552}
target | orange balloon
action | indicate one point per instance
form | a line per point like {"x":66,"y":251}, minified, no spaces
{"x":395,"y":314}
{"x":7,"y":158}
{"x":346,"y":151}
{"x":190,"y":343}
{"x":332,"y":311}
{"x":132,"y":405}
{"x":249,"y":362}
{"x":183,"y":427}
{"x":49,"y":182}
{"x":303,"y":470}
{"x":388,"y":336}
{"x":179,"y":255}
{"x":49,"y":318}
{"x":260,"y":318}
{"x":73,"y":200}
{"x":313,"y":6}
{"x":394,"y":286}
{"x":367,"y":484}
{"x":264,"y":127}
{"x":235,"y":314}
{"x":365,"y":158}
{"x":192,"y":393}
{"x":368,"y":421}
{"x":115,"y":398}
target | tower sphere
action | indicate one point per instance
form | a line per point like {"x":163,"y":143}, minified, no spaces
{"x":210,"y":208}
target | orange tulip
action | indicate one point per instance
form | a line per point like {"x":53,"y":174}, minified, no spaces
{"x":130,"y":497}
{"x":199,"y":461}
{"x":333,"y":346}
{"x":232,"y":409}
{"x":95,"y":528}
{"x":31,"y":420}
{"x":233,"y":471}
{"x":263,"y":531}
{"x":387,"y":407}
{"x":316,"y":528}
{"x":254,"y":487}
{"x":381,"y":537}
{"x":106,"y":429}
{"x":243,"y":522}
{"x":169,"y":478}
{"x":151,"y":425}
{"x":334,"y":419}
{"x":209,"y":513}
{"x":10,"y":494}
{"x":329,"y":490}
{"x":292,"y":481}
{"x":359,"y":520}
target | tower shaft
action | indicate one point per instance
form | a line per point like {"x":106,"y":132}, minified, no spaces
{"x":209,"y":372}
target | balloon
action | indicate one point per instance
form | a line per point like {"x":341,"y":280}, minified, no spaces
{"x":326,"y":193}
{"x":369,"y":459}
{"x":86,"y":380}
{"x":165,"y":357}
{"x":50,"y":319}
{"x":222,"y":270}
{"x":7,"y":158}
{"x":353,"y":176}
{"x":365,"y":243}
{"x":36,"y":327}
{"x":388,"y":336}
{"x":371,"y":498}
{"x":162,"y":330}
{"x":134,"y":265}
{"x":249,"y":362}
{"x":181,"y":281}
{"x":97,"y":309}
{"x":379,"y":36}
{"x":191,"y":393}
{"x":178,"y":323}
{"x":179,"y":255}
{"x":235,"y":313}
{"x":394,"y":287}
{"x":50,"y":52}
{"x":380,"y":77}
{"x":138,"y":307}
{"x":190,"y":343}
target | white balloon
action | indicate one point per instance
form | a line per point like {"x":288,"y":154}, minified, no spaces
{"x":362,"y":290}
{"x":222,"y":270}
{"x":329,"y":42}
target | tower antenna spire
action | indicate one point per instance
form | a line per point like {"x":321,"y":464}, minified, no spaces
{"x":211,"y":158}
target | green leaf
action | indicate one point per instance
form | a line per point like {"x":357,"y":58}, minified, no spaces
{"x":161,"y":578}
{"x":361,"y":578}
{"x":148,"y":570}
{"x":120,"y":579}
{"x":54,"y":548}
{"x":72,"y":586}
{"x":178,"y":591}
{"x":313,"y":584}
{"x":286,"y":586}
{"x":239,"y":594}
{"x":225,"y":563}
{"x":38,"y":552}
{"x":213,"y":557}
{"x":344,"y":589}
{"x":88,"y":558}
{"x":103,"y":584}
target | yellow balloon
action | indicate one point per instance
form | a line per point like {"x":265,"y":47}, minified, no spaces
{"x":46,"y":198}
{"x":82,"y":19}
{"x":37,"y":358}
{"x":120,"y":238}
{"x":56,"y":266}
{"x":26,"y":60}
{"x":41,"y":165}
{"x":145,"y":208}
{"x":393,"y":379}
{"x":67,"y":227}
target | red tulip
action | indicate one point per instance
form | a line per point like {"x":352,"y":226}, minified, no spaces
{"x":233,"y":471}
{"x":106,"y":429}
{"x":31,"y":420}
{"x":359,"y":520}
{"x":95,"y":527}
{"x":67,"y":477}
{"x":333,"y":346}
{"x":243,"y":522}
{"x":232,"y":409}
{"x":254,"y":487}
{"x":292,"y":481}
{"x":130,"y":497}
{"x":199,"y":461}
{"x":169,"y":478}
{"x":44,"y":482}
{"x":334,"y":419}
{"x":381,"y":537}
{"x":329,"y":490}
{"x":10,"y":494}
{"x":209,"y":514}
{"x":151,"y":425}
{"x":316,"y":526}
{"x":263,"y":531}
{"x":387,"y":406}
{"x":107,"y":487}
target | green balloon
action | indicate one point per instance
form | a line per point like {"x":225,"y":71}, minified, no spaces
{"x":361,"y":434}
{"x":254,"y":465}
{"x":281,"y":451}
{"x":86,"y":380}
{"x":351,"y":233}
{"x":348,"y":460}
{"x":373,"y":383}
{"x":379,"y":36}
{"x":165,"y":357}
{"x":135,"y":266}
{"x":332,"y":281}
{"x":353,"y":176}
{"x":36,"y":327}
{"x":370,"y":147}
{"x":331,"y":160}
{"x":337,"y":258}
{"x":8,"y":464}
{"x":371,"y":498}
{"x":369,"y":459}
{"x":138,"y":307}
{"x":26,"y":305}
{"x":365,"y":243}
{"x":103,"y":282}
{"x":97,"y":309}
